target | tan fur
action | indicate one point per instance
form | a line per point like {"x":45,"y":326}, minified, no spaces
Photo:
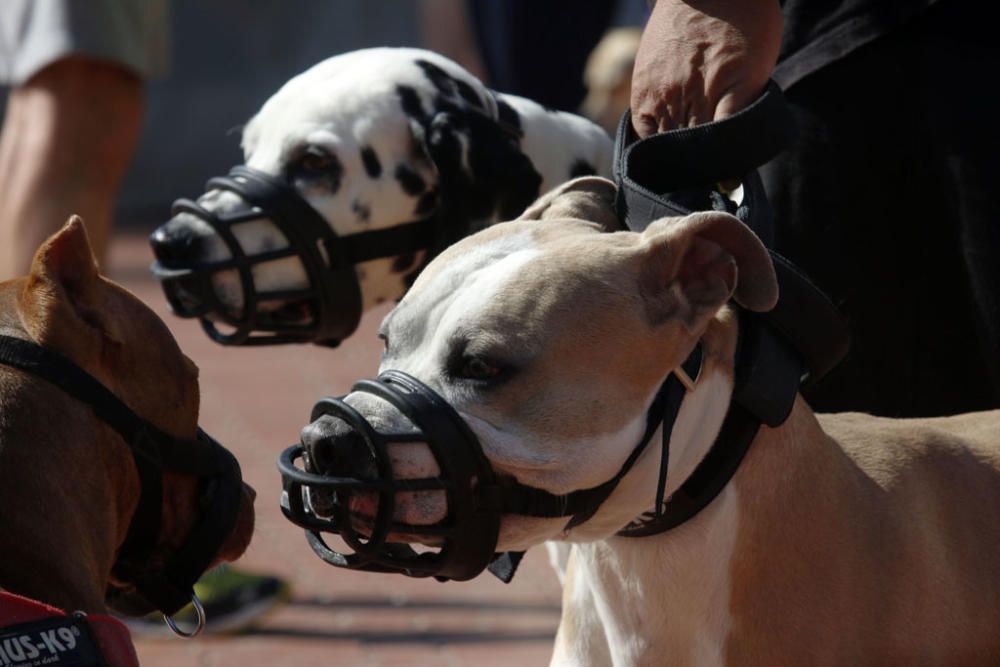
{"x":876,"y":541}
{"x":842,"y":540}
{"x":68,"y":486}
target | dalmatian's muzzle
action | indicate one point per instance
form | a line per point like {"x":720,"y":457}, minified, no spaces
{"x":329,"y":303}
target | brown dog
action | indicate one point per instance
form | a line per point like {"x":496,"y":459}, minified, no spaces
{"x":68,"y":483}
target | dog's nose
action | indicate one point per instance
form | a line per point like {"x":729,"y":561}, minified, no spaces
{"x":337,"y":449}
{"x":176,"y":240}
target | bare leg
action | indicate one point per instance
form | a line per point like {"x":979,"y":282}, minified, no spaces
{"x":68,"y":135}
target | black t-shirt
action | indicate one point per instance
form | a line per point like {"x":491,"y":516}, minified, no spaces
{"x":818,"y":32}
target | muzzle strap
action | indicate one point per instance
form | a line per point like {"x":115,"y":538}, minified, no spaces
{"x":153,"y":451}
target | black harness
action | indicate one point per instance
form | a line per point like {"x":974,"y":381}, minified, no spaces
{"x":154,"y":451}
{"x":800,"y":340}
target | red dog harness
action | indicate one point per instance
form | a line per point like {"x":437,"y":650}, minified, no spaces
{"x":34,"y":633}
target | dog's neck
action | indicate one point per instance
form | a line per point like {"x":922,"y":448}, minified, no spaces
{"x":668,"y":594}
{"x":56,"y":549}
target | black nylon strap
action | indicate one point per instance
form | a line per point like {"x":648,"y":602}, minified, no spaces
{"x":58,"y":370}
{"x":673,"y":406}
{"x":152,"y":450}
{"x":399,"y":239}
{"x":505,"y":565}
{"x":693,"y":157}
{"x":64,"y":374}
{"x":739,"y":428}
{"x":674,"y":174}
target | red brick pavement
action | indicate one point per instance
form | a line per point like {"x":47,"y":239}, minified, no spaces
{"x":255,"y":401}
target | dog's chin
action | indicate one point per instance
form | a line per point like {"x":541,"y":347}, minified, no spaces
{"x":299,"y":312}
{"x":239,"y":539}
{"x":127,"y":601}
{"x":124,"y":598}
{"x":520,"y":533}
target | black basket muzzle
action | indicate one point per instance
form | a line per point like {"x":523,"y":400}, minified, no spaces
{"x":466,"y":539}
{"x":331,"y":299}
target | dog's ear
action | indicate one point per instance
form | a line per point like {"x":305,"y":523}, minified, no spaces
{"x":589,"y":198}
{"x":66,"y":258}
{"x":482,"y":169}
{"x":691,"y":266}
{"x":60,"y":290}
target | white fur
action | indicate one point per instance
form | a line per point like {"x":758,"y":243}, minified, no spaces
{"x":350,"y":101}
{"x":655,"y":600}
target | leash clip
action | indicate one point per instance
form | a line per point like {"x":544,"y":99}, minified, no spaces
{"x":199,"y":610}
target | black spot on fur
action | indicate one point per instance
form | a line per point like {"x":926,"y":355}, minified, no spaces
{"x":362,"y":211}
{"x":410,"y":101}
{"x":468,"y":94}
{"x":409,"y":180}
{"x":403,"y":262}
{"x":450,"y":86}
{"x":482,"y":175}
{"x":426,"y":204}
{"x":370,"y":160}
{"x":508,"y":116}
{"x":581,"y":168}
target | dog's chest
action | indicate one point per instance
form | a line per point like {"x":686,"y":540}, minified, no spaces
{"x":656,"y":600}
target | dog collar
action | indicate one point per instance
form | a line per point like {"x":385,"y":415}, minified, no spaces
{"x":796,"y":343}
{"x":34,"y":633}
{"x":153,"y":451}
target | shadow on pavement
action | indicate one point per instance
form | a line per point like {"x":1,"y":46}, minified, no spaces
{"x":402,"y":637}
{"x":357,"y":602}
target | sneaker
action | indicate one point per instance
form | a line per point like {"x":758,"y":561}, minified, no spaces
{"x":233,"y":600}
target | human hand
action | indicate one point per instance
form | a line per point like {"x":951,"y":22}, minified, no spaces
{"x":702,"y":60}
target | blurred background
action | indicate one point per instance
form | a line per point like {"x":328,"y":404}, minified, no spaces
{"x":226,"y":57}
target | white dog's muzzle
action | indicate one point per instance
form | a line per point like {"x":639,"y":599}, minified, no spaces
{"x":330,"y":303}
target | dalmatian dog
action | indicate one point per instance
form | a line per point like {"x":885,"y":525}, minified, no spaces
{"x":372,"y":139}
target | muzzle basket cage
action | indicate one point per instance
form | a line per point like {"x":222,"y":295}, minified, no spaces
{"x":465,"y":538}
{"x":332,"y":293}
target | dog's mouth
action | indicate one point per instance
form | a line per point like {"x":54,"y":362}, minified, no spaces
{"x":275,"y":315}
{"x":362,"y":509}
{"x":297,"y":312}
{"x":124,"y":597}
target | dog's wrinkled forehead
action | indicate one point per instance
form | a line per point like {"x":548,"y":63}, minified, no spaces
{"x":463,"y":280}
{"x":497,"y":282}
{"x":364,"y":97}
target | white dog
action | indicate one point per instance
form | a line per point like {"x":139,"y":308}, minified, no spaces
{"x":841,"y":539}
{"x":372,"y":139}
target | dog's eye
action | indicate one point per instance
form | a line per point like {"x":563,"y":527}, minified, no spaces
{"x":477,"y":368}
{"x":316,"y":160}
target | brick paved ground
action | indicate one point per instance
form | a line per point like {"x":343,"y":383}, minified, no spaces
{"x":255,"y":401}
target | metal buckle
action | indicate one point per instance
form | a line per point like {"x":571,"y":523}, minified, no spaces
{"x":199,"y":610}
